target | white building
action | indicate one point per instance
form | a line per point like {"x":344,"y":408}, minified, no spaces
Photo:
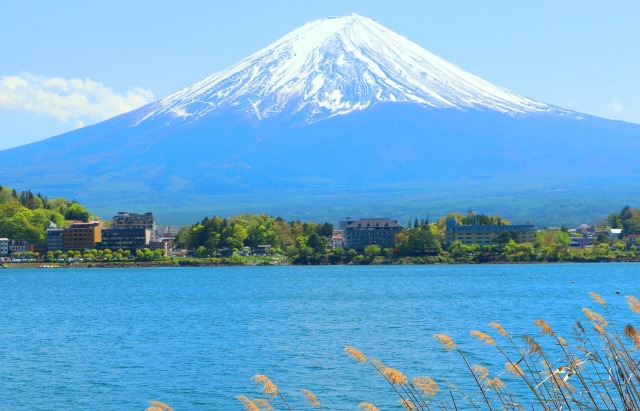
{"x":614,"y":234}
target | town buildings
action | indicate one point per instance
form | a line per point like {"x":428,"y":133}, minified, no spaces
{"x":133,"y":232}
{"x":129,"y":231}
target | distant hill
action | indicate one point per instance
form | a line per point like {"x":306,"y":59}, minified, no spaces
{"x":341,"y":117}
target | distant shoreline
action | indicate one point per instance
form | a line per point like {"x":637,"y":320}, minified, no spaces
{"x":176,"y":264}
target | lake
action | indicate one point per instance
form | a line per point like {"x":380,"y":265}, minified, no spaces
{"x":81,"y":339}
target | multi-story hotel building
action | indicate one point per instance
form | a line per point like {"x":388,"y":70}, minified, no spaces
{"x":82,"y":236}
{"x":55,"y":240}
{"x":131,"y":239}
{"x":486,"y":234}
{"x":361,"y":233}
{"x":134,"y":220}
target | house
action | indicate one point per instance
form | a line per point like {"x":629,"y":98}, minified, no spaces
{"x":262,"y":249}
{"x":585,"y":229}
{"x":486,"y":234}
{"x":336,"y":241}
{"x":632,"y":240}
{"x":615,"y":234}
{"x":225,"y":252}
{"x":578,"y":242}
{"x":361,"y":233}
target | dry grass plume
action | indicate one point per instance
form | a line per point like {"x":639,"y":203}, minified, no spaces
{"x":311,"y":398}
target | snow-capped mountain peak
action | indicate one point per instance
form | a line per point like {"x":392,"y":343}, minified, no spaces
{"x":333,"y":66}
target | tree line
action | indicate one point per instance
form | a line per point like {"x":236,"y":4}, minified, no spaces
{"x":420,"y":242}
{"x":26,"y":216}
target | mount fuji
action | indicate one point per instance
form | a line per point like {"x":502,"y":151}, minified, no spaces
{"x":341,"y":117}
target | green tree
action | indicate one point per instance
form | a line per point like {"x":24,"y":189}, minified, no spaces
{"x":419,"y":240}
{"x":76,"y":212}
{"x":317,"y":243}
{"x":203,"y":252}
{"x":506,"y":237}
{"x":458,"y":249}
{"x":351,"y":254}
{"x":372,"y":250}
{"x":325,"y":230}
{"x":553,"y":239}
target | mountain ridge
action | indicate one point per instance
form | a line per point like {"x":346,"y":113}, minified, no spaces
{"x":268,"y":132}
{"x":369,"y":64}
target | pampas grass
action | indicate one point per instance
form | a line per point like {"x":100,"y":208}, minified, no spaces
{"x":158,"y":406}
{"x":367,"y":406}
{"x":598,"y":370}
{"x":311,"y":398}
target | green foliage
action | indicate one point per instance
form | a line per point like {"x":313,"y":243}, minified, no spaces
{"x":317,"y":243}
{"x":480,"y":219}
{"x":76,"y":212}
{"x":304,"y":243}
{"x":505,"y":237}
{"x":147,"y":255}
{"x":552,"y":239}
{"x":26,"y":216}
{"x":421,"y":240}
{"x":372,"y":250}
{"x":628,"y":219}
{"x":471,"y":218}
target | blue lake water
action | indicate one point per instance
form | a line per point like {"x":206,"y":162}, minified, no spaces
{"x":81,"y":339}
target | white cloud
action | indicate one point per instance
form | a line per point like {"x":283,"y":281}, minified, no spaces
{"x":68,"y":99}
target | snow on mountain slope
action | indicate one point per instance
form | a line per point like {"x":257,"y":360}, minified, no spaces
{"x":333,"y":66}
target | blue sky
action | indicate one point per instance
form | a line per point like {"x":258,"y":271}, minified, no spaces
{"x":70,"y":63}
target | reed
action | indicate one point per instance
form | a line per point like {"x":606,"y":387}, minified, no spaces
{"x":599,"y":370}
{"x":158,"y":406}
